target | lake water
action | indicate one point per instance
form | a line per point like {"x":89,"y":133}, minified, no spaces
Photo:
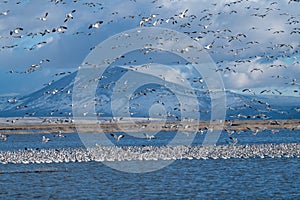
{"x":184,"y":179}
{"x":253,"y":178}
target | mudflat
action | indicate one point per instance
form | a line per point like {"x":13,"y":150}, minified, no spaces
{"x":63,"y":125}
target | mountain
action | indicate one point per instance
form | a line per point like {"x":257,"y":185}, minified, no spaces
{"x":148,"y":100}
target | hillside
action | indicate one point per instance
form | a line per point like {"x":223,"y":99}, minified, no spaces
{"x":149,"y":100}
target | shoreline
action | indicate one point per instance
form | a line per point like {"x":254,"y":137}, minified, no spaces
{"x":63,"y":125}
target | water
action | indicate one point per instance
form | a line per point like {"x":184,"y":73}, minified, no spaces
{"x":72,"y":140}
{"x":184,"y":179}
{"x":253,"y":178}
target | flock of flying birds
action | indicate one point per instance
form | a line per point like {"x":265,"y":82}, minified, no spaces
{"x":116,"y":137}
{"x":199,"y":27}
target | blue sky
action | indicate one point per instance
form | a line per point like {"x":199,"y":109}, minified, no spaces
{"x":215,"y":22}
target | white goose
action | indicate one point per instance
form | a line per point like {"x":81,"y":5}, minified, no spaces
{"x":117,"y":138}
{"x":45,"y":139}
{"x":149,"y":137}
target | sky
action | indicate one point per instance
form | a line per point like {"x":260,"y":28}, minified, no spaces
{"x":255,"y":44}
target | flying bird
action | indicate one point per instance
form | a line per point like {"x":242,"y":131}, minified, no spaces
{"x":233,"y":141}
{"x":45,"y":139}
{"x":256,"y":69}
{"x":149,"y":137}
{"x":4,"y":13}
{"x":117,"y":137}
{"x":16,"y":31}
{"x":43,"y":18}
{"x":96,"y":25}
{"x":60,"y":29}
{"x":3,"y":137}
{"x":248,"y":90}
{"x":209,"y":46}
{"x":33,"y":68}
{"x":69,"y":16}
{"x":183,"y":14}
{"x":59,"y":135}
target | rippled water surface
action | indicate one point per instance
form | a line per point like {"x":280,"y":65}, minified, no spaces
{"x":253,"y":178}
{"x":234,"y":178}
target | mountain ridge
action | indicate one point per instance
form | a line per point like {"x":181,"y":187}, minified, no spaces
{"x":55,"y":100}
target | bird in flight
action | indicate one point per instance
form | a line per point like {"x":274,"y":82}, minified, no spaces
{"x":59,"y":135}
{"x":3,"y":137}
{"x":4,"y":13}
{"x":117,"y":137}
{"x":69,"y":16}
{"x":233,"y":141}
{"x":16,"y":31}
{"x":45,"y":139}
{"x":149,"y":137}
{"x":183,"y":14}
{"x":43,"y":18}
{"x":96,"y":25}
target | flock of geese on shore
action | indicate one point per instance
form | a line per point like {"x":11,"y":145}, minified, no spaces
{"x":149,"y":153}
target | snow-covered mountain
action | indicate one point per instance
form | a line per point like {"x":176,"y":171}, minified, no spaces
{"x":149,"y":100}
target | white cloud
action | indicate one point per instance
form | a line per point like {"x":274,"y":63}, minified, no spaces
{"x":258,"y":74}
